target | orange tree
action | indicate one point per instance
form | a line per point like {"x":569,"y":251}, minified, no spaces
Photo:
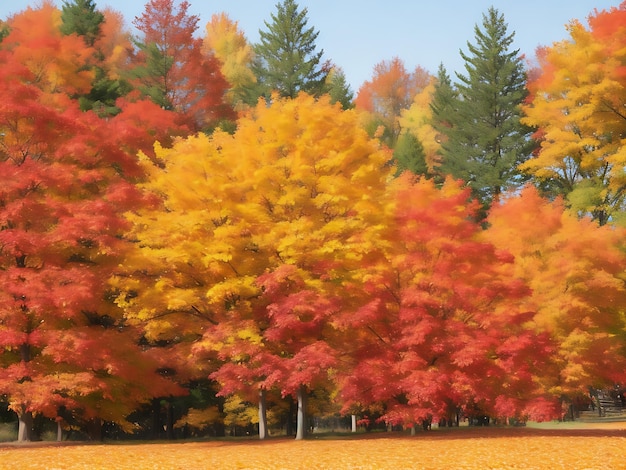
{"x":575,"y":270}
{"x":252,"y":237}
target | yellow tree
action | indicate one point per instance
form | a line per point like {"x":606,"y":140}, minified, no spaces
{"x":417,"y":120}
{"x":224,"y":39}
{"x":577,"y":101}
{"x":252,"y":237}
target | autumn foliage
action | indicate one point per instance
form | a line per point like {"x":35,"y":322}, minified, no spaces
{"x":148,"y":254}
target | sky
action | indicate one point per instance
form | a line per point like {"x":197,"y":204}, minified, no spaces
{"x":358,"y":34}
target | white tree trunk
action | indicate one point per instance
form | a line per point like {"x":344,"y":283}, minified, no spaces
{"x":262,"y":415}
{"x":353,"y":423}
{"x":59,"y":431}
{"x":301,"y":414}
{"x":25,"y":425}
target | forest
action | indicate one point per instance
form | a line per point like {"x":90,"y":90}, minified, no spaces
{"x":200,"y":235}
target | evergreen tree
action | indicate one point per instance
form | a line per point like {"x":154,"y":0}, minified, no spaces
{"x":81,"y":17}
{"x":339,"y":89}
{"x":286,"y":58}
{"x":483,"y":141}
{"x":409,"y":155}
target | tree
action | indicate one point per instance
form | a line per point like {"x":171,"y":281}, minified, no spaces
{"x":97,"y":30}
{"x":231,"y":48}
{"x":339,"y":89}
{"x":252,"y":240}
{"x":64,"y":344}
{"x":57,"y":62}
{"x":286,"y":59}
{"x":172,"y":70}
{"x":391,"y":90}
{"x":417,"y":120}
{"x":440,"y":330}
{"x":409,"y":155}
{"x":81,"y":17}
{"x":577,"y":95}
{"x":443,"y":109}
{"x":485,"y":140}
{"x":575,"y":271}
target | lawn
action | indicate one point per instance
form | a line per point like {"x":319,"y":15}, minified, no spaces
{"x":601,"y":446}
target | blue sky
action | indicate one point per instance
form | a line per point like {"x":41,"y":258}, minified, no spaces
{"x":358,"y":34}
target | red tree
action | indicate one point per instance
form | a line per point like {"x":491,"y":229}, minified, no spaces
{"x":441,"y":332}
{"x":63,"y":342}
{"x":174,"y":72}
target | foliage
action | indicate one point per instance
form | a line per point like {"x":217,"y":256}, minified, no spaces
{"x":255,"y":233}
{"x":286,"y":59}
{"x":81,"y":17}
{"x":484,"y":139}
{"x":409,"y":155}
{"x":339,"y":89}
{"x":577,"y":98}
{"x":576,"y":272}
{"x":229,"y":44}
{"x":591,"y":446}
{"x":173,"y":72}
{"x":391,"y":90}
{"x":439,"y":328}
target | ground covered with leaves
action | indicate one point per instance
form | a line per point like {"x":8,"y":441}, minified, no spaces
{"x":590,"y":447}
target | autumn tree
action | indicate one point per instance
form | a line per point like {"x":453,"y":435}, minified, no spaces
{"x":63,"y":342}
{"x":485,"y":140}
{"x":286,"y":57}
{"x":173,"y":72}
{"x":247,"y":251}
{"x":424,"y":142}
{"x":56,"y":62}
{"x":574,"y":269}
{"x":230,"y":46}
{"x":577,"y":98}
{"x":439,"y":329}
{"x":390,"y":91}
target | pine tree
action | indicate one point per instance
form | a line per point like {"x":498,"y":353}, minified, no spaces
{"x":81,"y":17}
{"x":409,"y":155}
{"x":339,"y":89}
{"x":286,"y":58}
{"x":483,"y":141}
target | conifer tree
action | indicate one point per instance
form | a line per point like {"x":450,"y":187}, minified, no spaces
{"x":339,"y":88}
{"x":409,"y":155}
{"x":81,"y":17}
{"x":286,"y":57}
{"x":483,"y":140}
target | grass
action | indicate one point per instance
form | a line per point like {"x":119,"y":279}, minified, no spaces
{"x":538,"y":446}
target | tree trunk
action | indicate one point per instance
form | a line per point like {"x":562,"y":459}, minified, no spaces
{"x":262,"y":415}
{"x":156,"y":418}
{"x":25,"y":425}
{"x":301,"y":414}
{"x":353,"y":423}
{"x":169,"y":422}
{"x":59,"y":431}
{"x":290,"y":412}
{"x":94,"y":429}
